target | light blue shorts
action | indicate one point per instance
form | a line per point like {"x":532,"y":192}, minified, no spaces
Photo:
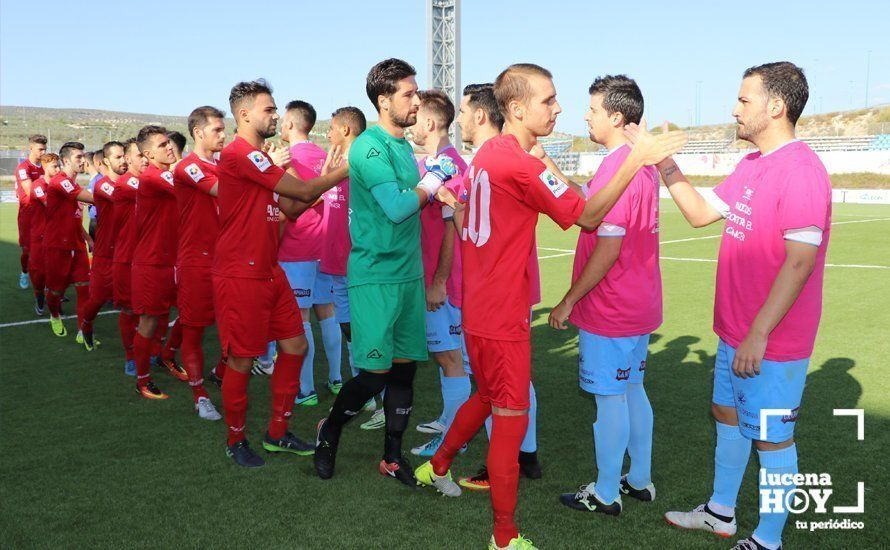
{"x":340,"y":293}
{"x":607,"y":365}
{"x":310,"y":285}
{"x":778,"y":386}
{"x":443,"y":328}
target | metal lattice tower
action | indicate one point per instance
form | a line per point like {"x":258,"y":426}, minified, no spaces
{"x":443,"y":52}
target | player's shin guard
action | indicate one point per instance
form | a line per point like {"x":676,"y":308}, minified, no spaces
{"x":23,"y":260}
{"x":639,"y":446}
{"x":610,"y":435}
{"x":775,"y":464}
{"x":530,"y":440}
{"x":284,"y":385}
{"x":157,"y":339}
{"x":174,"y":341}
{"x":307,"y":374}
{"x":352,"y":397}
{"x":142,"y":351}
{"x":83,"y":298}
{"x":234,"y":394}
{"x":54,"y":303}
{"x":193,"y":359}
{"x":126,"y":323}
{"x":467,"y":421}
{"x":90,"y":311}
{"x":397,"y":403}
{"x":503,"y":473}
{"x":455,"y":392}
{"x":330,"y":336}
{"x":730,"y":460}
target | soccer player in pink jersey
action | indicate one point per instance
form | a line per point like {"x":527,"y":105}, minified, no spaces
{"x":777,"y":207}
{"x":615,"y":301}
{"x":441,"y":266}
{"x":508,"y":189}
{"x":299,"y":254}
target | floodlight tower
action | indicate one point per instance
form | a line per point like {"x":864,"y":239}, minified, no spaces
{"x":443,"y":52}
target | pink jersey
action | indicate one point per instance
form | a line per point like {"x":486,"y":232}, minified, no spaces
{"x":767,"y":195}
{"x":627,"y":301}
{"x":337,"y":243}
{"x":508,"y":188}
{"x":302,"y":239}
{"x":433,"y":228}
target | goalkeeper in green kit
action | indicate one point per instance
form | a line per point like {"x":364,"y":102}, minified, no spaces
{"x":386,"y":288}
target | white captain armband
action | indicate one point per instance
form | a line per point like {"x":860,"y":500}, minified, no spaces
{"x":807,"y":235}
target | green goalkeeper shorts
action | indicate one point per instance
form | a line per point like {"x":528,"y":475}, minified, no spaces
{"x":388,"y":321}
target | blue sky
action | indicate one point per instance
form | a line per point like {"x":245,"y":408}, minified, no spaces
{"x":122,"y":56}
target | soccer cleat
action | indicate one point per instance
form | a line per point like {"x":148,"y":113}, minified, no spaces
{"x":175,"y":369}
{"x":750,"y":543}
{"x":434,"y":427}
{"x":261,"y":369}
{"x":150,"y":391}
{"x":477,"y":482}
{"x":370,"y":406}
{"x":39,"y":305}
{"x":429,"y":448}
{"x":214,"y":379}
{"x":325,"y":452}
{"x":444,"y":484}
{"x":243,"y":455}
{"x":205,"y":409}
{"x":130,"y":367}
{"x":335,"y":387}
{"x":702,"y":518}
{"x":24,"y":281}
{"x":58,"y":327}
{"x":519,"y":543}
{"x":399,"y":469}
{"x":587,"y":500}
{"x":288,"y":444}
{"x":377,"y":421}
{"x":89,"y":343}
{"x":310,"y":400}
{"x":79,"y":337}
{"x":529,"y":466}
{"x":646,"y":494}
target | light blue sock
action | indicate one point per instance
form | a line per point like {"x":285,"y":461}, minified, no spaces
{"x":443,"y":419}
{"x":488,"y":427}
{"x":333,"y":347}
{"x":730,"y":460}
{"x":307,"y":373}
{"x":611,"y":432}
{"x":639,"y":446}
{"x":351,"y":362}
{"x":455,"y":392}
{"x":530,"y":441}
{"x":784,"y":461}
{"x":267,"y":358}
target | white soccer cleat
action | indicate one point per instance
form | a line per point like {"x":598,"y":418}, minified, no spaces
{"x":434,"y":427}
{"x":206,"y":410}
{"x":700,"y":518}
{"x":259,"y":369}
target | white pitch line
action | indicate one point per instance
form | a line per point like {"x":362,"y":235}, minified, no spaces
{"x":46,"y":320}
{"x":862,"y":221}
{"x":556,"y":255}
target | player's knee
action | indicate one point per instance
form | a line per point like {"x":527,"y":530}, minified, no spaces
{"x":347,"y":331}
{"x":373,"y":382}
{"x":298,"y":345}
{"x":323,"y":311}
{"x":402,"y":374}
{"x":724,"y":415}
{"x":767,"y":446}
{"x":239,"y":364}
{"x":501,"y":411}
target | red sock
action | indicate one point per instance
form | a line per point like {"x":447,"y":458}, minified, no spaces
{"x":174,"y":341}
{"x":157,"y":339}
{"x":221,"y":366}
{"x":38,"y":281}
{"x":193,"y":358}
{"x":234,"y":395}
{"x":90,"y":311}
{"x":285,"y":384}
{"x":142,"y":349}
{"x":503,"y":473}
{"x":126,"y":322}
{"x":23,"y":259}
{"x":54,"y":303}
{"x":467,"y":421}
{"x":83,"y":296}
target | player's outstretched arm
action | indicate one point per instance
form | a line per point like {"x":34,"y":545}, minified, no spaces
{"x":85,"y":196}
{"x":291,"y":186}
{"x":600,"y":262}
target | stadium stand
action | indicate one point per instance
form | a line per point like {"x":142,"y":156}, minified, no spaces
{"x":559,"y":151}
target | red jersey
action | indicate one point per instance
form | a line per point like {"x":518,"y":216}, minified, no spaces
{"x":103,"y":246}
{"x":198,"y":212}
{"x":125,"y":217}
{"x":37,"y":201}
{"x":248,"y":212}
{"x":64,"y":216}
{"x":157,"y":217}
{"x":27,"y":170}
{"x":507,"y":189}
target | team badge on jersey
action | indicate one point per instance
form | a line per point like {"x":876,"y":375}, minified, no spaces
{"x":554,"y":184}
{"x":133,"y":182}
{"x":194,"y":172}
{"x":108,"y":188}
{"x":39,"y":192}
{"x":67,"y":186}
{"x":168,"y":177}
{"x":23,"y":174}
{"x":259,"y":160}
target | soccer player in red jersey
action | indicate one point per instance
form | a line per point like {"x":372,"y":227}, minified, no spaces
{"x":154,"y":254}
{"x":64,"y":236}
{"x":25,"y":173}
{"x":196,"y":189}
{"x":508,"y":188}
{"x":36,"y":263}
{"x":253,"y":300}
{"x":101,"y":284}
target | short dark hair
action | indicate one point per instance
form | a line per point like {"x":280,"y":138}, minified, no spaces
{"x":145,"y":134}
{"x":382,"y":78}
{"x":177,"y":138}
{"x":620,"y":95}
{"x":786,"y":81}
{"x":512,"y":83}
{"x":98,"y":156}
{"x":439,"y":103}
{"x":305,"y":111}
{"x":37,"y":138}
{"x":106,"y":149}
{"x":129,"y":143}
{"x":482,"y":97}
{"x":247,"y":91}
{"x":68,"y":149}
{"x":201,"y":116}
{"x":352,"y":117}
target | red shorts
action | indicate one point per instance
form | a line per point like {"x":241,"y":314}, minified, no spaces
{"x":101,"y":280}
{"x":250,"y":313}
{"x":502,"y":370}
{"x":65,"y":267}
{"x":36,"y":258}
{"x":24,"y":221}
{"x":154,"y":290}
{"x":194,"y":296}
{"x":121,"y":274}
